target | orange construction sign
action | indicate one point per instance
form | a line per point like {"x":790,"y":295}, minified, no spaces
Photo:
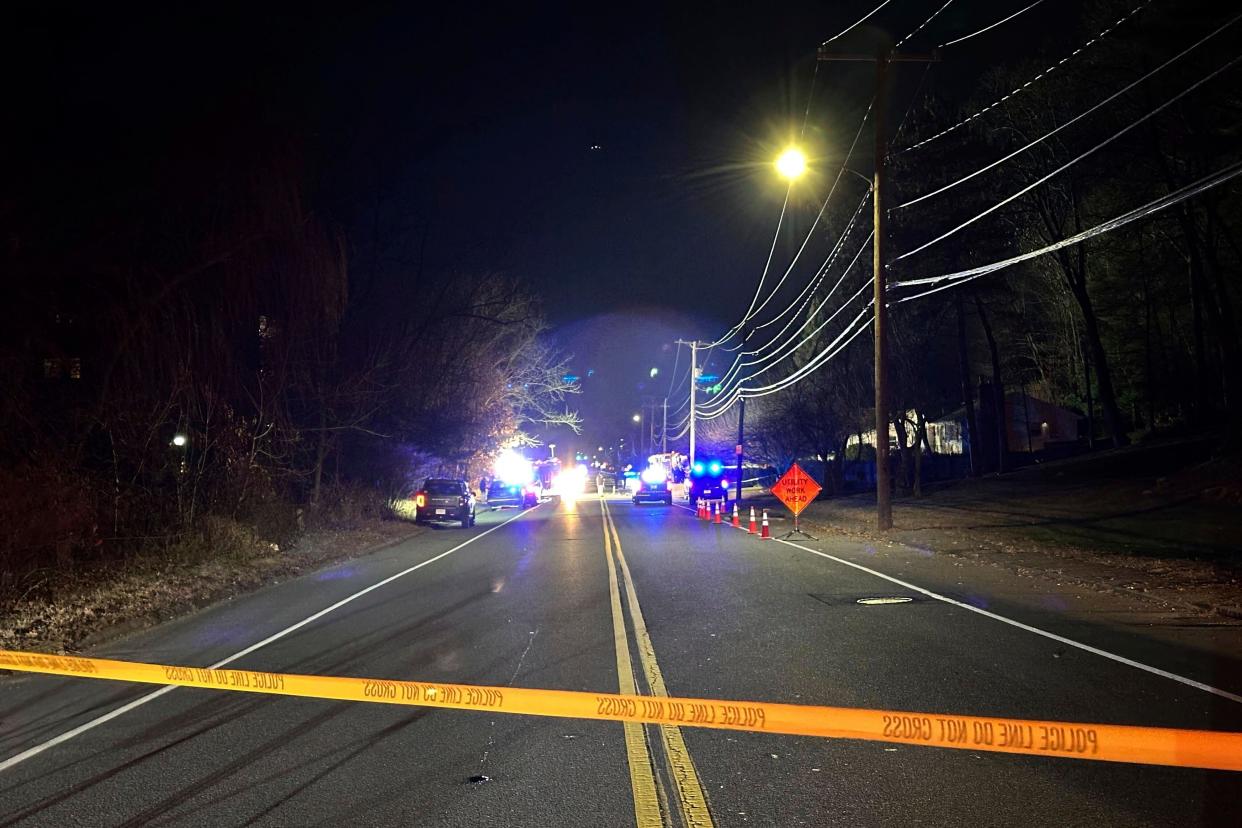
{"x":796,"y":489}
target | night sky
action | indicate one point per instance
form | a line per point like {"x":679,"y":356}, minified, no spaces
{"x":614,"y":156}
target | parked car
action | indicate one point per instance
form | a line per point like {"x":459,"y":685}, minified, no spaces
{"x":500,"y":493}
{"x":443,"y":498}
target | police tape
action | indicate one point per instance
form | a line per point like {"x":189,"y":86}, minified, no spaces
{"x":1102,"y":742}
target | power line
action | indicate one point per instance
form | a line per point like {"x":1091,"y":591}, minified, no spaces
{"x":672,"y":379}
{"x":773,"y":362}
{"x":1071,"y":121}
{"x":738,"y":362}
{"x":1075,"y":160}
{"x":856,"y":23}
{"x":1156,"y":205}
{"x":919,"y":28}
{"x":811,"y":286}
{"x":990,"y":26}
{"x":856,"y":326}
{"x":823,"y":207}
{"x":1104,"y":32}
{"x":759,"y":289}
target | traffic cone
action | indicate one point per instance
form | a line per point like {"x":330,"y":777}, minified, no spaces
{"x":765,"y":534}
{"x":737,"y":522}
{"x":754,"y":527}
{"x":716,"y":512}
{"x":702,"y":510}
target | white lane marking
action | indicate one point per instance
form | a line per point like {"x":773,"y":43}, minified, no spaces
{"x":1189,"y":682}
{"x":107,"y":717}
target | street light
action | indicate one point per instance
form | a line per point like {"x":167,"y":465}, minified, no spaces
{"x":179,"y":440}
{"x":552,"y":449}
{"x":655,"y":372}
{"x":638,"y":418}
{"x":791,"y":164}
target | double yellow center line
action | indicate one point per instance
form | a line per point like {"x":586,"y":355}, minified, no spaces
{"x":691,"y":802}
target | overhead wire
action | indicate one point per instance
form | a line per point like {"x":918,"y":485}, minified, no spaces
{"x":856,"y":326}
{"x":810,"y":232}
{"x":741,"y":389}
{"x":1070,"y":122}
{"x":990,"y":26}
{"x":959,"y":277}
{"x":1017,"y":90}
{"x":919,"y":27}
{"x":763,"y":277}
{"x":739,"y":363}
{"x":672,"y":380}
{"x":856,"y":23}
{"x":1074,"y":160}
{"x":823,"y":207}
{"x":809,"y":290}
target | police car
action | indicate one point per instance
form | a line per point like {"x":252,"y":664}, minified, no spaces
{"x":707,"y":481}
{"x":652,"y":486}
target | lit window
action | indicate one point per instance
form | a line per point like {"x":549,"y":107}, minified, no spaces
{"x":75,"y":368}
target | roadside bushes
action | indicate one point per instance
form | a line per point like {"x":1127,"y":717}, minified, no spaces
{"x":47,"y":517}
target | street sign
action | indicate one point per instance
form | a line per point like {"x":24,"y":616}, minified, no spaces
{"x":796,"y":489}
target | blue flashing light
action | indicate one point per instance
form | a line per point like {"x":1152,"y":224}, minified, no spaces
{"x":715,"y":467}
{"x":698,"y":468}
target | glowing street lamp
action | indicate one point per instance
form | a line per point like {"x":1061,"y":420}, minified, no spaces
{"x":179,"y":440}
{"x":638,"y":418}
{"x":791,"y":164}
{"x":655,"y":372}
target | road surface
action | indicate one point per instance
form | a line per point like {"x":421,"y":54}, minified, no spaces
{"x":560,"y":597}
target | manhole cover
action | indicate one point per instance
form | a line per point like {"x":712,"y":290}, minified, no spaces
{"x":891,"y":599}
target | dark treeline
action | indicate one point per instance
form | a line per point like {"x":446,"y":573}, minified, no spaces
{"x":205,"y":344}
{"x":1135,"y":330}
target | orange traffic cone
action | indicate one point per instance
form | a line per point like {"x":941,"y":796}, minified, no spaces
{"x":754,"y":527}
{"x":765,"y":534}
{"x":716,"y":510}
{"x":737,"y":522}
{"x":702,"y":510}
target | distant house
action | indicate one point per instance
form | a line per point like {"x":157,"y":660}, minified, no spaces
{"x":1032,"y":425}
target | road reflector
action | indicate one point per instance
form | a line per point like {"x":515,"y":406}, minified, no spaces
{"x":1217,"y":750}
{"x":890,"y":599}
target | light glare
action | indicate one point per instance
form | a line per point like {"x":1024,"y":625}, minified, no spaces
{"x":791,"y":163}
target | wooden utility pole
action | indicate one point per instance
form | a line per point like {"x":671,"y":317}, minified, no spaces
{"x":882,"y":58}
{"x":694,"y":378}
{"x":664,"y":430}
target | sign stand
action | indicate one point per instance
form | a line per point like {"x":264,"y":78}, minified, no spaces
{"x":796,"y":532}
{"x":796,"y":489}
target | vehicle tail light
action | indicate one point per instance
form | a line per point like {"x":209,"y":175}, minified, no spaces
{"x":420,"y":499}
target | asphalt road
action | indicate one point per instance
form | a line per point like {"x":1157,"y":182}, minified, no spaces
{"x":541,"y":599}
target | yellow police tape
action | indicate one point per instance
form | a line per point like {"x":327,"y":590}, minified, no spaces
{"x":1112,"y":743}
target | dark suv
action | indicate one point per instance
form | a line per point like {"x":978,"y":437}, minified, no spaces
{"x":443,"y":498}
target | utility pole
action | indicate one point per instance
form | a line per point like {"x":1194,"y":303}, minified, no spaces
{"x":741,"y":418}
{"x":694,"y":377}
{"x":741,"y":426}
{"x":882,"y":58}
{"x":664,"y":430}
